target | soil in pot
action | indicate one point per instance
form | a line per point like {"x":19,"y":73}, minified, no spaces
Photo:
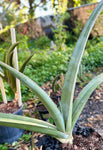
{"x":10,"y":107}
{"x":8,"y":134}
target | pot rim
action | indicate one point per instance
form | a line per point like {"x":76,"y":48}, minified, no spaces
{"x":21,"y":107}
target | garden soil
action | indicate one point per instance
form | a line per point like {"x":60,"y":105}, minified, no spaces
{"x":91,"y":117}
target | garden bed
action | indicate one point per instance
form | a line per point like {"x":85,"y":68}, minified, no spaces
{"x":91,"y":117}
{"x":93,"y":142}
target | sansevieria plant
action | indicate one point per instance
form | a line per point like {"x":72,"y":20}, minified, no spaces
{"x":67,"y":114}
{"x":8,"y":59}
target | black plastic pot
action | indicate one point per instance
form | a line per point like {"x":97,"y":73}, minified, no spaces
{"x":42,"y":109}
{"x":8,"y":134}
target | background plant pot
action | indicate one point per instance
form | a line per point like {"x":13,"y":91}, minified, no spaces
{"x":42,"y":111}
{"x":44,"y":114}
{"x":8,"y":134}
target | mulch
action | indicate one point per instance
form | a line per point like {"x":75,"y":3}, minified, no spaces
{"x":91,"y":116}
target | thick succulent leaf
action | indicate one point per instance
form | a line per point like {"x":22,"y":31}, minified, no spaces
{"x":4,"y":60}
{"x":71,"y":75}
{"x":3,"y":77}
{"x":30,"y":124}
{"x":8,"y":58}
{"x":27,"y":119}
{"x":54,"y":82}
{"x":82,"y":98}
{"x":3,"y":91}
{"x":25,"y":63}
{"x":46,"y":100}
{"x":4,"y":56}
{"x":11,"y":78}
{"x":1,"y":74}
{"x":10,"y":50}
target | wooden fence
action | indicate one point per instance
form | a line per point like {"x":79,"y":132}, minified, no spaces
{"x":83,"y":12}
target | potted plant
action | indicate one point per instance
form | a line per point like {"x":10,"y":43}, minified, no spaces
{"x":67,"y":114}
{"x":8,"y":134}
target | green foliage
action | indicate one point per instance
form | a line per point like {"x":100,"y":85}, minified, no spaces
{"x":4,"y":146}
{"x":50,"y":63}
{"x":25,"y":137}
{"x":39,"y":43}
{"x":93,"y":56}
{"x":7,"y":58}
{"x":7,"y":76}
{"x":67,"y":115}
{"x":88,"y":1}
{"x":46,"y":65}
{"x":75,"y":28}
{"x":60,"y":34}
{"x":25,"y":40}
{"x":18,"y":12}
